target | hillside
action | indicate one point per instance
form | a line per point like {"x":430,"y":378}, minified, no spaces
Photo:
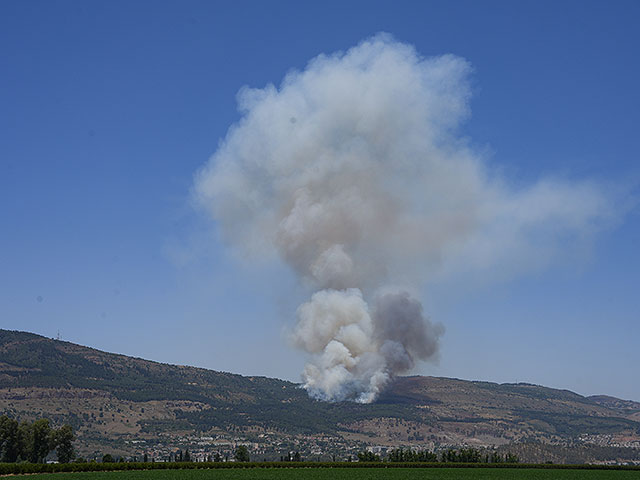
{"x":134,"y":406}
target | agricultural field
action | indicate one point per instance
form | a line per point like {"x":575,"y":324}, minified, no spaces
{"x":351,"y":474}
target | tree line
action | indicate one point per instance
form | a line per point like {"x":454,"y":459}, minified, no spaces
{"x":33,"y":442}
{"x":463,"y":455}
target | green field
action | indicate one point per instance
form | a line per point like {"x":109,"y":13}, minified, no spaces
{"x":350,"y":473}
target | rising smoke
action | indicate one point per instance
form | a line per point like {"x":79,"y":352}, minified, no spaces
{"x":354,"y":173}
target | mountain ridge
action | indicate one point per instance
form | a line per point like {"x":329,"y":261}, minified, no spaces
{"x":598,"y":398}
{"x":112,"y":400}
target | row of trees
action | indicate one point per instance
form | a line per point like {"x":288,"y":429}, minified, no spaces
{"x":32,"y":442}
{"x":473,"y":455}
{"x":464,"y":455}
{"x":401,"y":455}
{"x":291,"y":457}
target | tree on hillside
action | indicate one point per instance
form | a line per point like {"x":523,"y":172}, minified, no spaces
{"x":25,"y":441}
{"x":41,"y":440}
{"x":9,"y":444}
{"x":242,"y":454}
{"x":63,"y":442}
{"x":107,"y":458}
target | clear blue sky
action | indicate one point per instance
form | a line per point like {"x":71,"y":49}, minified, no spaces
{"x":107,"y":109}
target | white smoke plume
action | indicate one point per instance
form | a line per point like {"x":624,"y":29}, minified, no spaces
{"x":358,"y":350}
{"x":353,"y":172}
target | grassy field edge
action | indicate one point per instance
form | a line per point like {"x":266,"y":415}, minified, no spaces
{"x":22,"y":468}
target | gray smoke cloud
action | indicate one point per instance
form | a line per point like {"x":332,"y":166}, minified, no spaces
{"x":358,"y":349}
{"x":353,"y":172}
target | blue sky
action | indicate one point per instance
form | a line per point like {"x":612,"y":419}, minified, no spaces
{"x":109,"y":109}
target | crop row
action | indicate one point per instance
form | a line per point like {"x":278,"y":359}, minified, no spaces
{"x":23,"y":468}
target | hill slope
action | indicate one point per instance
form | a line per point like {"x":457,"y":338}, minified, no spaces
{"x":132,"y":405}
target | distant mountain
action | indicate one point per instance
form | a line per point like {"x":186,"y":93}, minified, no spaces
{"x":131,"y":405}
{"x":615,"y":403}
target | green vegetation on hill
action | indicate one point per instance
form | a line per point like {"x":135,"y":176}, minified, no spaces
{"x":233,"y":400}
{"x":106,"y":396}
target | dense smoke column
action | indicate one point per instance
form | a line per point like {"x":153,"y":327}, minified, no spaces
{"x":353,"y":173}
{"x":357,"y":351}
